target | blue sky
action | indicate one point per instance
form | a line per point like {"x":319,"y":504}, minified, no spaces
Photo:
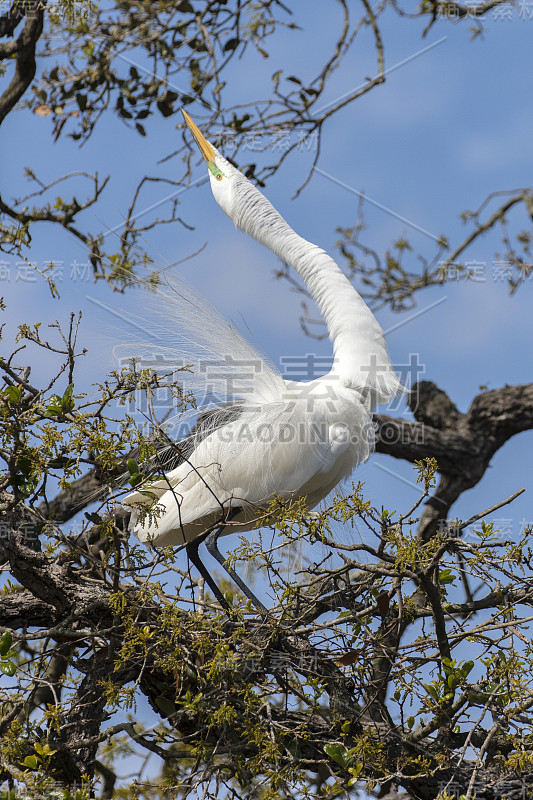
{"x":449,"y":126}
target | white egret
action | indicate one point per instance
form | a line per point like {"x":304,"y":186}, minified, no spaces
{"x":275,"y":438}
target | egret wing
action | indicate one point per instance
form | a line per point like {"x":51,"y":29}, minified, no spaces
{"x":261,"y":453}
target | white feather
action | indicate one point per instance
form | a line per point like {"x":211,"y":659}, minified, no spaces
{"x":183,"y":330}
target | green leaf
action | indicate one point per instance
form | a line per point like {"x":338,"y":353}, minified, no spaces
{"x":67,"y":401}
{"x":133,"y":467}
{"x":24,"y":488}
{"x":8,"y":668}
{"x":354,"y":772}
{"x":431,"y":690}
{"x":13,"y":393}
{"x":43,"y":749}
{"x":452,"y":681}
{"x":31,"y":762}
{"x":337,"y":752}
{"x":410,"y":722}
{"x":54,"y":406}
{"x":467,"y":668}
{"x":5,"y":643}
{"x":446,"y":576}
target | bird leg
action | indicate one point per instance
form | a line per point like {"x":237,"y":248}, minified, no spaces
{"x":192,"y":552}
{"x":212,"y":548}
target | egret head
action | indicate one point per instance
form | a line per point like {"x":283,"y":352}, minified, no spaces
{"x":223,"y":176}
{"x":241,"y":201}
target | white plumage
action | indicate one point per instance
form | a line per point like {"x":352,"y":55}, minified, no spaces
{"x":288,"y":439}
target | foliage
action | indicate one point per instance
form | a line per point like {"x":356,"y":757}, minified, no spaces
{"x":372,"y":667}
{"x":396,"y":656}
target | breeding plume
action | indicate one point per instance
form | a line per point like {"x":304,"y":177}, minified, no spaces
{"x":270,"y":437}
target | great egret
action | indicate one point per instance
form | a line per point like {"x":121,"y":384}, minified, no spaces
{"x":274,"y":437}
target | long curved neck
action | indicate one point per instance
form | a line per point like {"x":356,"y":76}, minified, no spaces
{"x":361,"y":360}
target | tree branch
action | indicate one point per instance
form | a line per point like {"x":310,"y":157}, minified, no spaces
{"x":462,"y":444}
{"x":25,"y":58}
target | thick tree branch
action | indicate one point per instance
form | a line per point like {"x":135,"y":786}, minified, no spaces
{"x":25,"y":59}
{"x":462,"y":444}
{"x":24,"y":609}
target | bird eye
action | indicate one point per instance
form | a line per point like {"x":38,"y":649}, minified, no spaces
{"x":219,"y":176}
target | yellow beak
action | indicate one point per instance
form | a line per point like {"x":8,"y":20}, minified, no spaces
{"x":205,"y":148}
